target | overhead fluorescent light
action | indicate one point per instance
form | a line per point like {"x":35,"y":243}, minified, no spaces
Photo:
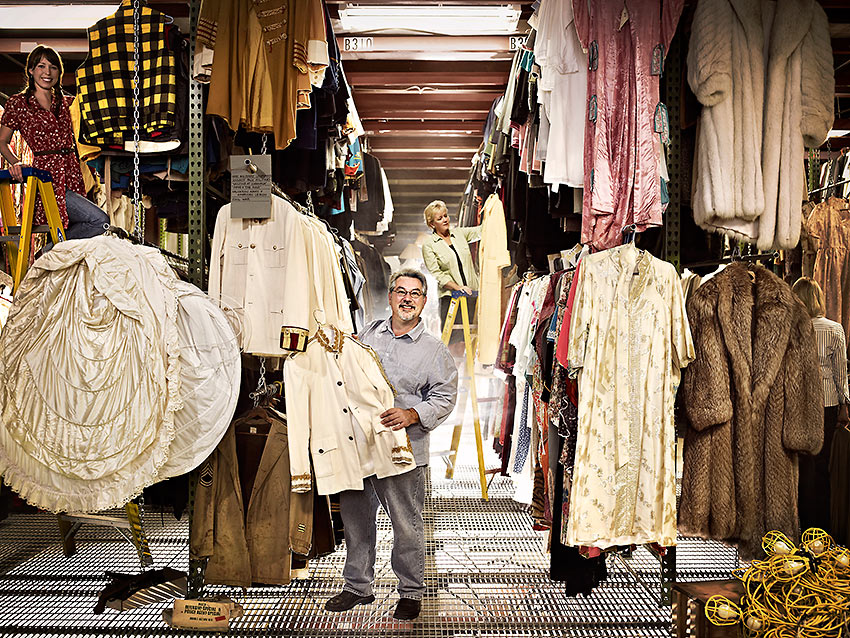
{"x":34,"y":15}
{"x":837,"y":132}
{"x":443,"y":19}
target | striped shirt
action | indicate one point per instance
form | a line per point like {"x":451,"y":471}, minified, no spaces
{"x":832,"y":354}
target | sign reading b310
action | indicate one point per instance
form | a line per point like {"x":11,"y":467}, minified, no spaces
{"x":358,"y":44}
{"x":516,"y":42}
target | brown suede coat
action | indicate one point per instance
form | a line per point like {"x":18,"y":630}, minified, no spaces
{"x":250,"y":542}
{"x":752,"y":398}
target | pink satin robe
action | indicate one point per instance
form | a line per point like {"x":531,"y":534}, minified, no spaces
{"x":622,"y":150}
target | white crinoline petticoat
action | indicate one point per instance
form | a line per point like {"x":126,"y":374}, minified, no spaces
{"x":90,"y":375}
{"x":210,"y":368}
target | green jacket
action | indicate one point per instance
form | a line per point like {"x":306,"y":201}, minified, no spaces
{"x":441,"y":261}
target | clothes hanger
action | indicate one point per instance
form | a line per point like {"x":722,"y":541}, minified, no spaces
{"x":258,"y":413}
{"x":533,"y":274}
{"x":630,"y":235}
{"x":277,"y":190}
{"x":362,"y":238}
{"x":736,"y":253}
{"x":263,"y":397}
{"x":570,"y":257}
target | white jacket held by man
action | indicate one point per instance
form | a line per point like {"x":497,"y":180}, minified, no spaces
{"x":335,"y":393}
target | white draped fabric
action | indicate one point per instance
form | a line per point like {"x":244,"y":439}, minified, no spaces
{"x":210,"y":370}
{"x":92,"y":359}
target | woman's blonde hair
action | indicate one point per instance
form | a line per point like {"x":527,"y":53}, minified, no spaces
{"x":432,"y":209}
{"x":811,"y":294}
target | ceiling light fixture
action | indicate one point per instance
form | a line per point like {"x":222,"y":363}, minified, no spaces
{"x":442,"y":19}
{"x":33,"y":15}
{"x":421,"y":89}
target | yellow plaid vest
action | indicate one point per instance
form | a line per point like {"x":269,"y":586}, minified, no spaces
{"x":105,"y":79}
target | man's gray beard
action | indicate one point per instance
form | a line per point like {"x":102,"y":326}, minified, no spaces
{"x":407,"y":315}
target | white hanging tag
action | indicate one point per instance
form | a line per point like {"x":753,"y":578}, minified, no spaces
{"x":251,"y":186}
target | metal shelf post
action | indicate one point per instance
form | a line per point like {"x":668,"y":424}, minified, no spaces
{"x":672,"y":98}
{"x":197,"y":192}
{"x":197,"y":239}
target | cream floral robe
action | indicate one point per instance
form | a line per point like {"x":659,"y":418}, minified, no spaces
{"x":629,"y":337}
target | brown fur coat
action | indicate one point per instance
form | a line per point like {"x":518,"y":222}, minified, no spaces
{"x":753,"y":399}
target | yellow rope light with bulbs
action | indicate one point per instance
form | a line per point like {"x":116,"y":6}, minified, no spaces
{"x":796,"y":592}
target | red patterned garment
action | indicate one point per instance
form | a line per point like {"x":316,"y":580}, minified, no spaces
{"x":43,"y":131}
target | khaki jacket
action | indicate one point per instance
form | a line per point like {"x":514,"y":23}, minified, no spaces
{"x":335,"y":393}
{"x":493,"y":255}
{"x":441,"y":261}
{"x":257,"y":547}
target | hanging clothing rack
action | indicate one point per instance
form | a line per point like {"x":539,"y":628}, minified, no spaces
{"x":123,"y":234}
{"x":828,"y":186}
{"x":729,"y":260}
{"x":277,"y":190}
{"x":272,"y":390}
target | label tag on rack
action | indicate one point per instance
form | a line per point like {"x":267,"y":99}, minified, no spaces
{"x":251,"y":186}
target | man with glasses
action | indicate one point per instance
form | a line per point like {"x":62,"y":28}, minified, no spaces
{"x":423,"y":373}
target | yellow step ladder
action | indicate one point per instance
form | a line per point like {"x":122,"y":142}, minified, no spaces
{"x":459,"y":301}
{"x":19,"y":238}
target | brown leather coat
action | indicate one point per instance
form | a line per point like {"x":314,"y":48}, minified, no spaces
{"x":826,"y":232}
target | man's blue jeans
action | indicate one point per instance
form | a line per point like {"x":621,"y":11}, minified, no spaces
{"x":403,"y":499}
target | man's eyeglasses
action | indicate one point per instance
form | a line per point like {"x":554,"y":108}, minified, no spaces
{"x":401,"y":293}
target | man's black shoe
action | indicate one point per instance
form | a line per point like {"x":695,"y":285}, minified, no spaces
{"x":345,"y":600}
{"x":407,"y":609}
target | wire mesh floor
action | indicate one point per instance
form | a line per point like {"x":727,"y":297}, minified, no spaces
{"x":486,"y":572}
{"x":487,"y":575}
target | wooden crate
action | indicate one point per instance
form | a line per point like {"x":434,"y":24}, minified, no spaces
{"x":689,"y":600}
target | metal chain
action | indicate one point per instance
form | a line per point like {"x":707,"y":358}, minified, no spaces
{"x":261,"y":383}
{"x":137,"y":200}
{"x":143,"y":545}
{"x":263,"y":150}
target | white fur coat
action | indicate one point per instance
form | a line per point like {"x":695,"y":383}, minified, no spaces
{"x":763,"y":72}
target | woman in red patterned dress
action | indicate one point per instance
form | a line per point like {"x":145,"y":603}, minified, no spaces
{"x":41,"y":114}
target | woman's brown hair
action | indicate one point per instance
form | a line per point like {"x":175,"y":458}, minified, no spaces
{"x":33,"y":60}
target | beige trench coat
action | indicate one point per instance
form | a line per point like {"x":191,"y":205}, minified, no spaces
{"x":493,"y":255}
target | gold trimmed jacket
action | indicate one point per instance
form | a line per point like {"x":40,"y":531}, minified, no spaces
{"x":336,"y":391}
